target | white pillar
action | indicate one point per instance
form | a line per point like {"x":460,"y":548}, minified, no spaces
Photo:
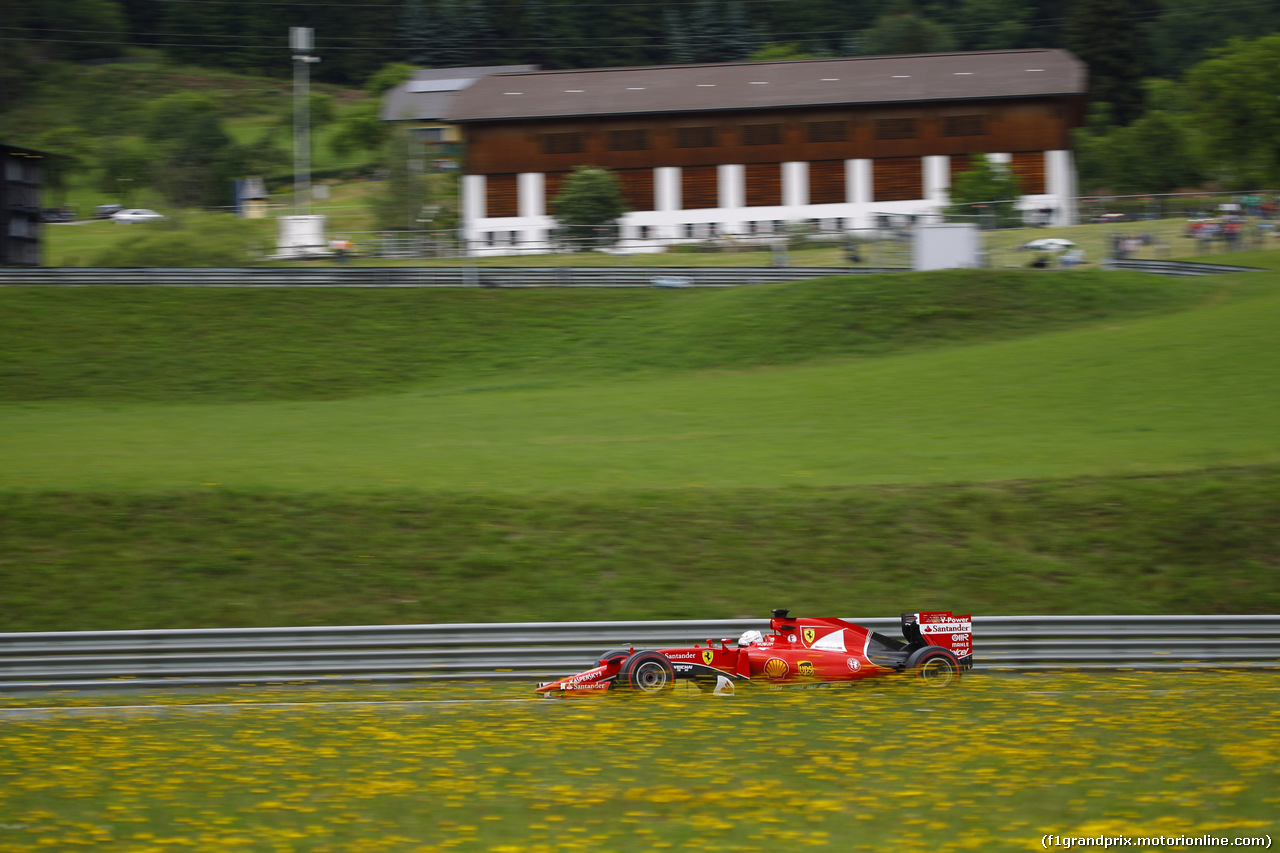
{"x":531,"y":193}
{"x":731,"y":184}
{"x":666,"y":196}
{"x":795,"y":184}
{"x":860,"y":181}
{"x":666,"y":188}
{"x":1060,"y":182}
{"x":937,"y":179}
{"x":473,"y":187}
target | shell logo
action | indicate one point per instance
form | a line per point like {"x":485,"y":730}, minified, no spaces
{"x":708,"y":656}
{"x":775,"y":667}
{"x":853,"y":664}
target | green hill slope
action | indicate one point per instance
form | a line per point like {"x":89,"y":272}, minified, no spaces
{"x":196,"y":458}
{"x":212,"y":345}
{"x":1165,"y":393}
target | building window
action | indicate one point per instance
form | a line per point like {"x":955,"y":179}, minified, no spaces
{"x":428,"y":134}
{"x":963,"y":126}
{"x":896,"y":128}
{"x":695,"y":137}
{"x":761,"y":134}
{"x":897,"y":179}
{"x":629,"y":140}
{"x":827,"y":131}
{"x":564,"y":143}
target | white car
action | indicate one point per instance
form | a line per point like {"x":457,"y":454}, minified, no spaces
{"x":135,"y":214}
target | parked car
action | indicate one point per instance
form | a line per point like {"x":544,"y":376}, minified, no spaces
{"x":104,"y":211}
{"x":135,"y":214}
{"x":57,"y":214}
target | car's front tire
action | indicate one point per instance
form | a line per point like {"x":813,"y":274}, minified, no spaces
{"x":648,"y":674}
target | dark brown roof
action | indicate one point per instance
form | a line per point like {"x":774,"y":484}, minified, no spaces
{"x":766,"y":85}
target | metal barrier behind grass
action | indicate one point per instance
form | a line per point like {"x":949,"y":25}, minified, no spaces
{"x":392,"y":653}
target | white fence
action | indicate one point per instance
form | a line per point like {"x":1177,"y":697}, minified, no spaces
{"x":391,"y":653}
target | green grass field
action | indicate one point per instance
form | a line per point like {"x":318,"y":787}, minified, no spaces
{"x":253,"y":457}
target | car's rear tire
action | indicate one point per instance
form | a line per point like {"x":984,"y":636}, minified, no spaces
{"x":648,"y":674}
{"x":934,"y":667}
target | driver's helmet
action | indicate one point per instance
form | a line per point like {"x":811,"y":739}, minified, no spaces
{"x":750,"y":638}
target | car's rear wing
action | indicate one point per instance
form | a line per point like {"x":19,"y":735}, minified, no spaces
{"x":954,"y":633}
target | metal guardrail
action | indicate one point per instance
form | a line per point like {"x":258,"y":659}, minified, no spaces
{"x":390,"y":653}
{"x":1179,"y":268}
{"x":463,"y":276}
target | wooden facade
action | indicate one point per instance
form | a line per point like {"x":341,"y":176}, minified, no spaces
{"x":775,"y":136}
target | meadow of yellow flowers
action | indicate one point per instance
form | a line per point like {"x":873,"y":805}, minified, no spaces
{"x":994,"y":764}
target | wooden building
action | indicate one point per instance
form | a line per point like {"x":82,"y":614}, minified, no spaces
{"x":742,"y":148}
{"x":21,"y":173}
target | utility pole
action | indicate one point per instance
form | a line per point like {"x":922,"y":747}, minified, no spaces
{"x":301,"y":42}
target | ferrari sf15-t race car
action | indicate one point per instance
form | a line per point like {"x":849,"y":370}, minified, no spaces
{"x":935,"y":648}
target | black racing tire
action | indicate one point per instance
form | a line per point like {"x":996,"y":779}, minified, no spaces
{"x":648,"y":674}
{"x":934,"y":667}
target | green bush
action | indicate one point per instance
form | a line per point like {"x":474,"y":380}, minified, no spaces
{"x":191,"y":240}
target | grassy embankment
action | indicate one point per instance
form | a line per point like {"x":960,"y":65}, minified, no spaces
{"x":992,"y":442}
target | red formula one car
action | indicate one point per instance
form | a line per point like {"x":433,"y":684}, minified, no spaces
{"x":937,"y":647}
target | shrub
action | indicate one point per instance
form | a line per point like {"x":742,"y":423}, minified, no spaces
{"x":192,"y":240}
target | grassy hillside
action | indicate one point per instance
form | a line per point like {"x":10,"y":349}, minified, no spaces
{"x":976,"y":441}
{"x":176,"y":345}
{"x":1195,"y":543}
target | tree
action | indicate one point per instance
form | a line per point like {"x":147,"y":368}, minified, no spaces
{"x":987,"y":190}
{"x":361,"y":129}
{"x":588,"y":207}
{"x":198,"y":165}
{"x":399,"y":204}
{"x":1104,"y":34}
{"x":1157,"y":153}
{"x":774,"y":52}
{"x":901,"y":30}
{"x":415,"y":31}
{"x":1185,"y":31}
{"x":991,"y":24}
{"x":388,"y":77}
{"x":124,"y":167}
{"x":676,"y":37}
{"x":1237,"y":107}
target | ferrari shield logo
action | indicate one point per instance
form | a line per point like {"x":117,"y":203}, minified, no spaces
{"x":708,"y":656}
{"x":809,"y":634}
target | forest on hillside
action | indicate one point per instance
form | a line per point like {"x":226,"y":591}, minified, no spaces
{"x":1124,"y":39}
{"x":1181,"y":91}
